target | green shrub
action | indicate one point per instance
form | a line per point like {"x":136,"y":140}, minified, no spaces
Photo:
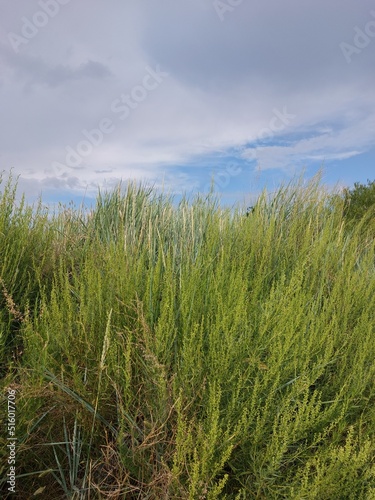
{"x":360,"y":203}
{"x":186,"y":351}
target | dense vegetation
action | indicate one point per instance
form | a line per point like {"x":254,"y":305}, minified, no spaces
{"x":360,"y":203}
{"x":189,"y":352}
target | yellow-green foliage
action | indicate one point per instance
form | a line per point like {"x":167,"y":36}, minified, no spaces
{"x":186,"y":351}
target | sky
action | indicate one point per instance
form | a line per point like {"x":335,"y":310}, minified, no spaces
{"x":237,"y":95}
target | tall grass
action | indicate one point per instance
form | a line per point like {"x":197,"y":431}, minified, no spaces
{"x":189,"y":351}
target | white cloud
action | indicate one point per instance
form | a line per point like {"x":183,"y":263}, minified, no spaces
{"x":225,"y":80}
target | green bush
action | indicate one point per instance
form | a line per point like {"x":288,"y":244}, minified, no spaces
{"x":186,"y":351}
{"x":360,"y":203}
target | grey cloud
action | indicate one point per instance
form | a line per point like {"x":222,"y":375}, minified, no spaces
{"x":225,"y":79}
{"x":93,"y":69}
{"x":286,"y":44}
{"x":34,"y":70}
{"x":49,"y":186}
{"x":58,"y":75}
{"x":60,"y":182}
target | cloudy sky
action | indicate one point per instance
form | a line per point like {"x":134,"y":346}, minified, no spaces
{"x":179,"y":92}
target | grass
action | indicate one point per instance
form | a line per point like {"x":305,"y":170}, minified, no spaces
{"x":189,"y":352}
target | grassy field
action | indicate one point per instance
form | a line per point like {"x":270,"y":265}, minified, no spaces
{"x":164,"y":351}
